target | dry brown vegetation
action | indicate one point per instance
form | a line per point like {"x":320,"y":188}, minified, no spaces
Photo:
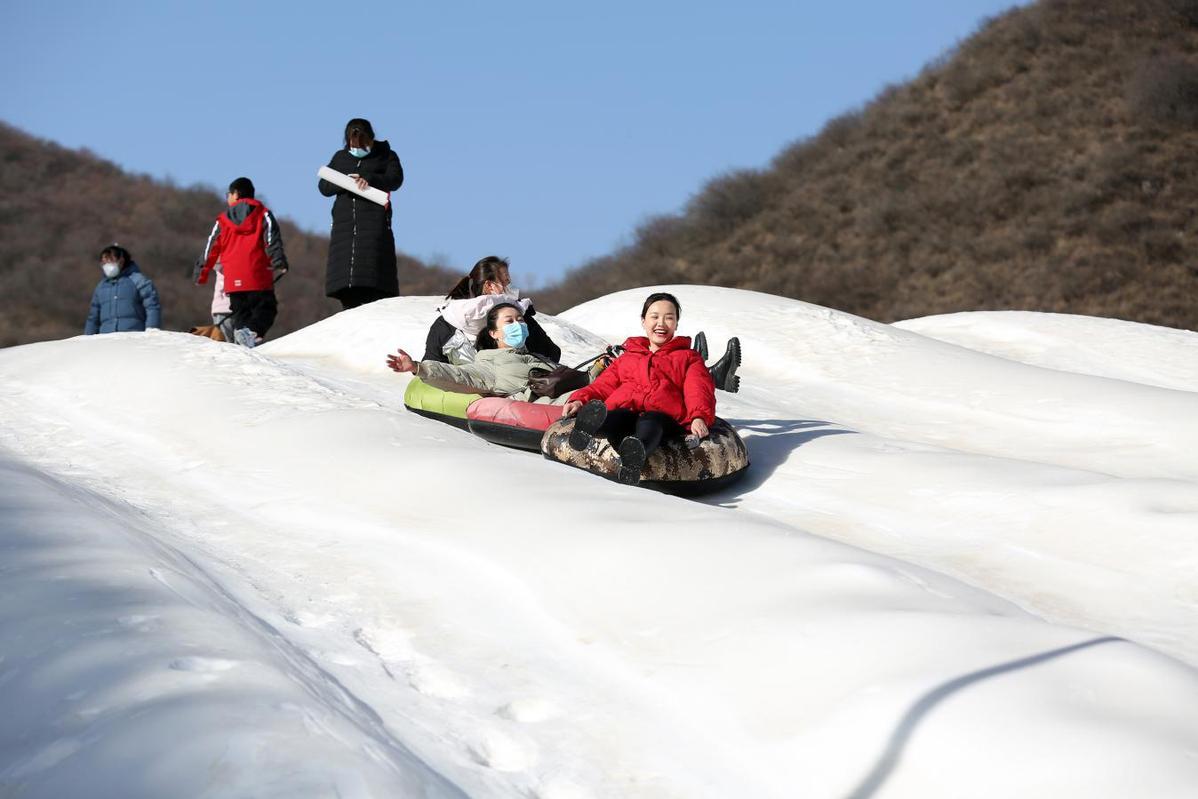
{"x":1049,"y":162}
{"x":60,"y":207}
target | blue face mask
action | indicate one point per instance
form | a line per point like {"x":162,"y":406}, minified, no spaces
{"x":359,"y":152}
{"x":515,"y":334}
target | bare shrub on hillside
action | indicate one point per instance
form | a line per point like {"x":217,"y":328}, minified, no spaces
{"x":730,"y":199}
{"x":1187,"y":10}
{"x":50,"y":240}
{"x":840,"y":131}
{"x":965,"y":80}
{"x":658,"y":235}
{"x":1041,"y":192}
{"x":1164,"y":88}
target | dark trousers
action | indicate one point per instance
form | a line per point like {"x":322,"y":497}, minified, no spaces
{"x":648,"y":426}
{"x":253,"y":309}
{"x":354,"y":296}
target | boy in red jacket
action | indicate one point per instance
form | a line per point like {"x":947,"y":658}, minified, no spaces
{"x":658,"y":387}
{"x":247,"y":242}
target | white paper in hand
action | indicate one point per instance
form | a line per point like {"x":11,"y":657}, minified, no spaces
{"x":346,"y":182}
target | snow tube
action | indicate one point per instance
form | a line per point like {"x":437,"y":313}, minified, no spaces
{"x":720,"y":460}
{"x":444,"y":406}
{"x":511,"y":423}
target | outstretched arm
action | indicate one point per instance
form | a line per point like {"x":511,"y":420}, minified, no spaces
{"x":467,"y":378}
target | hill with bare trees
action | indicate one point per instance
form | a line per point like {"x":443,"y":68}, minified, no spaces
{"x":59,"y":207}
{"x":1049,"y":162}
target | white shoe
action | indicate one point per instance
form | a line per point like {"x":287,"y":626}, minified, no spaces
{"x":245,"y":337}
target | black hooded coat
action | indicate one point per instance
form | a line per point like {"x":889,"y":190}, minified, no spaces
{"x":361,"y":244}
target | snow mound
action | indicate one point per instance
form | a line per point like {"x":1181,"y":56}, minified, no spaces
{"x":1138,"y":353}
{"x":448,"y":616}
{"x":358,"y":341}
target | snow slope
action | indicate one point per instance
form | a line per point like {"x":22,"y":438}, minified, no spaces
{"x":1139,"y":353}
{"x":437,"y":615}
{"x":1073,"y":495}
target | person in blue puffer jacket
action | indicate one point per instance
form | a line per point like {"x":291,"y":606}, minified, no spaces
{"x":125,"y":299}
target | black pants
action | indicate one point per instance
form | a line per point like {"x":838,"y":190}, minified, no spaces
{"x":254,"y":309}
{"x":650,"y":427}
{"x":353,"y":296}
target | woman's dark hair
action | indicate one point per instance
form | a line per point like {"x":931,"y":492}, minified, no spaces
{"x":484,"y":341}
{"x":661,"y":295}
{"x":357,"y":132}
{"x":491,"y":268}
{"x":243,"y":188}
{"x":118,"y":252}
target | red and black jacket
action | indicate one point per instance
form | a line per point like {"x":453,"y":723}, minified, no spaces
{"x":247,"y":242}
{"x":673,"y":380}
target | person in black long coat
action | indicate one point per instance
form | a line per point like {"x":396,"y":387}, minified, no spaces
{"x":361,"y":265}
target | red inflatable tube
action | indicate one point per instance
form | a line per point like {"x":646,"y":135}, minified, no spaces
{"x":511,"y":423}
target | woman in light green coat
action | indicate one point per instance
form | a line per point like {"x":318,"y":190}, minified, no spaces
{"x":501,"y":367}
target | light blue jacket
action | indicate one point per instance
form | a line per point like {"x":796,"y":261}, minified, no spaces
{"x":126,"y":302}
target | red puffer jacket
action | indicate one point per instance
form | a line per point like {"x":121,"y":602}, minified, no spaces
{"x":246,"y":240}
{"x":673,"y":380}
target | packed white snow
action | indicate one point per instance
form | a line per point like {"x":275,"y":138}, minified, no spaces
{"x":1139,"y":353}
{"x":255,"y":573}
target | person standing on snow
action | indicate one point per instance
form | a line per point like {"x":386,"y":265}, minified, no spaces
{"x":125,"y":299}
{"x":361,"y":267}
{"x":247,"y":242}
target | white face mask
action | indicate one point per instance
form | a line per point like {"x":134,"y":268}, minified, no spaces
{"x":110,"y":269}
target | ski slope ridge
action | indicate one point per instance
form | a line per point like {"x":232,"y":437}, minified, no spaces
{"x":508,"y":627}
{"x":1132,"y":351}
{"x":1072,"y":495}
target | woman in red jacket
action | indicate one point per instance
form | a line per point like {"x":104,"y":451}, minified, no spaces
{"x":658,"y":387}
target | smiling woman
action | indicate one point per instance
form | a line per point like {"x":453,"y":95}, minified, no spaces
{"x":659,"y":388}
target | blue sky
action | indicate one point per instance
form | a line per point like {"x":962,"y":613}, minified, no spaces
{"x":543,"y":131}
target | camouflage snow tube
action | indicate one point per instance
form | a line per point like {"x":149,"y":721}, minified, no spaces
{"x":444,"y":406}
{"x":720,"y":460}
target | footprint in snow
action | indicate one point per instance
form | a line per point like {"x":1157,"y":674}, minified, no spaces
{"x":529,"y":711}
{"x":435,"y":681}
{"x":561,"y":789}
{"x":501,"y":752}
{"x":202,"y":665}
{"x":306,"y":618}
{"x":390,"y":645}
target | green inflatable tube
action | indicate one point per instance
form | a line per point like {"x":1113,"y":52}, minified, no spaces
{"x":444,"y":406}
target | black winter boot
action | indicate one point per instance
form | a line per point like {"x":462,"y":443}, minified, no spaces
{"x":589,"y":419}
{"x":723,"y":371}
{"x":632,"y":461}
{"x":699,"y":344}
